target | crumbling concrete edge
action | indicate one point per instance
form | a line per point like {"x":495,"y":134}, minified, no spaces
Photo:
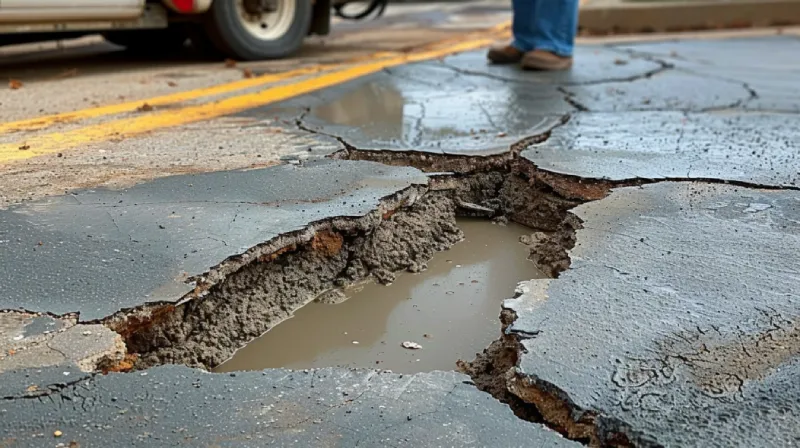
{"x":129,"y":321}
{"x":496,"y":370}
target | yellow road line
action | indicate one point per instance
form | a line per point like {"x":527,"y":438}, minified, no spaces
{"x":144,"y":123}
{"x":32,"y":124}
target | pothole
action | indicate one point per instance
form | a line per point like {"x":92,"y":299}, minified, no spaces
{"x":450,"y":310}
{"x":244,"y":297}
{"x":251,"y":296}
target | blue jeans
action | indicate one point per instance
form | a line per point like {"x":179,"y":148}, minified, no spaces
{"x":548,"y":25}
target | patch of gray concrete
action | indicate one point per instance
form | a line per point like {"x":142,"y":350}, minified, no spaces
{"x":767,"y":65}
{"x":677,"y":323}
{"x":327,"y":407}
{"x":594,"y":64}
{"x":748,"y":147}
{"x":28,"y":341}
{"x":667,"y":90}
{"x":96,"y":252}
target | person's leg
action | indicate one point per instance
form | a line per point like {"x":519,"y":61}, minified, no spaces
{"x":524,"y":23}
{"x":555,"y":26}
{"x":522,"y":27}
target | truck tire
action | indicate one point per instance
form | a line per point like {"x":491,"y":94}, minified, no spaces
{"x":266,"y":35}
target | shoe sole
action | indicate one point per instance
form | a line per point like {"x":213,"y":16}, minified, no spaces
{"x":502,"y":58}
{"x":546,"y":66}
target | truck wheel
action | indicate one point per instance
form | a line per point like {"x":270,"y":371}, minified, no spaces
{"x":258,"y":29}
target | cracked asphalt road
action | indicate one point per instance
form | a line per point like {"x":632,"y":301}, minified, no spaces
{"x":326,"y":407}
{"x":675,"y":325}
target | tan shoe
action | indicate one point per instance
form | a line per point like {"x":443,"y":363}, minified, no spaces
{"x":504,"y":55}
{"x":545,"y":60}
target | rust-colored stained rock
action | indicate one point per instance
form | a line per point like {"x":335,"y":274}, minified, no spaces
{"x":266,"y":258}
{"x":124,"y":365}
{"x":327,"y":242}
{"x":138,"y":322}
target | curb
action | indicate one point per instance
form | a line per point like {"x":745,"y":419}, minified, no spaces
{"x":649,"y":17}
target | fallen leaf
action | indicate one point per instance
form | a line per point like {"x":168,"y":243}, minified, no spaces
{"x":620,"y":61}
{"x":12,"y":352}
{"x":24,"y":147}
{"x":247,"y":73}
{"x":14,"y":84}
{"x":74,"y":444}
{"x":411,"y":345}
{"x":172,"y":83}
{"x":58,"y":433}
{"x":32,"y":388}
{"x":230,"y":63}
{"x":144,"y":108}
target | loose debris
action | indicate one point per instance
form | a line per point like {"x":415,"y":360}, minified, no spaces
{"x":411,"y":345}
{"x":67,"y":74}
{"x":14,"y":84}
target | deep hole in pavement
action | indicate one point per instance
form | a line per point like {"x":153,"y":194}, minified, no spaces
{"x":450,"y":309}
{"x":253,"y":293}
{"x":264,"y":286}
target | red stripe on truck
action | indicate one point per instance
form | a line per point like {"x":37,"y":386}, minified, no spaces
{"x":183,"y":5}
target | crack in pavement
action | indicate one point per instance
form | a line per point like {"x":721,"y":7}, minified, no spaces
{"x":54,"y":389}
{"x":300,"y":123}
{"x":664,"y":66}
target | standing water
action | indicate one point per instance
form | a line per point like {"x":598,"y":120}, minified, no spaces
{"x":451,"y":310}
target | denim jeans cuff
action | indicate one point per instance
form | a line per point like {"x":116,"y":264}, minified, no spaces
{"x":521,"y":46}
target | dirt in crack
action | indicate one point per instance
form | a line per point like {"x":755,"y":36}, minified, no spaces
{"x":450,"y":309}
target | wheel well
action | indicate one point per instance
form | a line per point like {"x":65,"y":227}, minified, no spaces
{"x":321,"y":18}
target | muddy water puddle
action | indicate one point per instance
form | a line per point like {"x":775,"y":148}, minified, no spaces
{"x":451,"y":310}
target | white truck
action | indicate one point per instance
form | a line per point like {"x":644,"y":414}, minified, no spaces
{"x":240,"y":29}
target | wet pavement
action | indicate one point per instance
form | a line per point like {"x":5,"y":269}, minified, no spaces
{"x":450,"y":310}
{"x":676,"y":323}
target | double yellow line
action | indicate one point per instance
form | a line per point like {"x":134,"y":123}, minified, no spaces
{"x":313,"y":78}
